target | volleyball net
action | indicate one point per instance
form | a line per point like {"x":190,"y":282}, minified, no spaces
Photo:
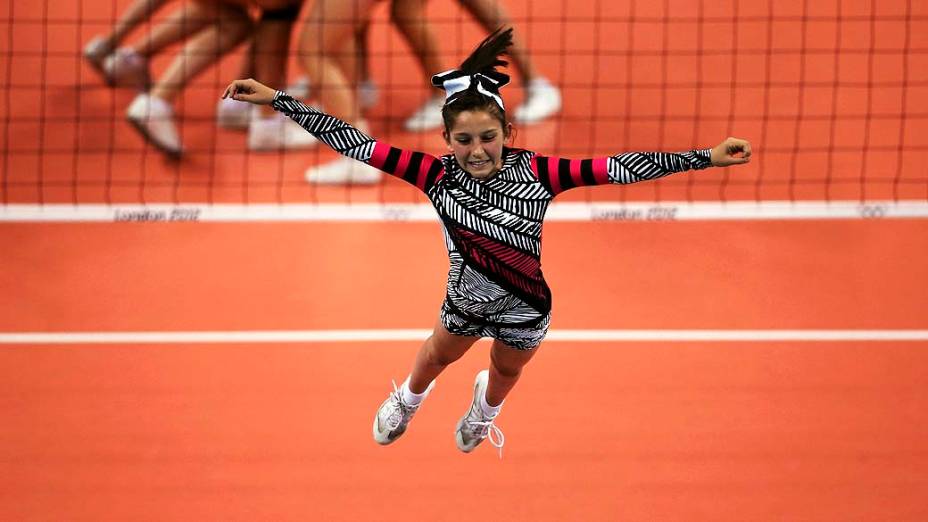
{"x":833,"y":96}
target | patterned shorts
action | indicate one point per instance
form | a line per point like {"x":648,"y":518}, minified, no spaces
{"x":521,"y":336}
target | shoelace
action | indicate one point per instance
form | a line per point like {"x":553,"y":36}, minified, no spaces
{"x":486,"y":429}
{"x":396,"y":416}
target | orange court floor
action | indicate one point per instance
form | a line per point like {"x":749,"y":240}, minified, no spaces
{"x":664,"y":430}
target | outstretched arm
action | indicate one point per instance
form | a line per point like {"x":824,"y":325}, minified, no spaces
{"x":559,"y":174}
{"x":417,"y":168}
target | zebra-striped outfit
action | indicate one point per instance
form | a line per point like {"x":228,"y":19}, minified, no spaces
{"x":492,"y":227}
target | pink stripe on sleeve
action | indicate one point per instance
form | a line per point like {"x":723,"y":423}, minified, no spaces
{"x":424,"y":167}
{"x":403,"y":163}
{"x":379,"y":156}
{"x":575,"y":173}
{"x":554,"y":177}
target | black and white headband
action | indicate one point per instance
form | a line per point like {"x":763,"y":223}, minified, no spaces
{"x":456,"y":82}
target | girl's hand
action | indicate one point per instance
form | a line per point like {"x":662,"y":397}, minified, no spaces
{"x":732,"y":151}
{"x":249,"y":91}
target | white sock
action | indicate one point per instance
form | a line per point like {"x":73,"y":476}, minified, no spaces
{"x":409,"y":397}
{"x":489,"y":411}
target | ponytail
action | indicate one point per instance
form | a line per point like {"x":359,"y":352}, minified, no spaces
{"x":485,"y":57}
{"x":476,"y":84}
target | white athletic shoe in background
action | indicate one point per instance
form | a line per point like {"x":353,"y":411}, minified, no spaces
{"x":233,"y":114}
{"x":96,"y":51}
{"x":343,"y":171}
{"x":277,"y":132}
{"x":474,"y":426}
{"x":154,"y":119}
{"x":394,"y":415}
{"x":299,"y":89}
{"x":542,"y":99}
{"x":428,"y":117}
{"x":368,"y":94}
{"x":367,"y":91}
{"x":127,"y":68}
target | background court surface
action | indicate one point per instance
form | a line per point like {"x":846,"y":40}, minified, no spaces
{"x":628,"y":430}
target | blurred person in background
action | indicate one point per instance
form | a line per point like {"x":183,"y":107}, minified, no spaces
{"x":345,"y":50}
{"x":542,"y":98}
{"x":211,"y":29}
{"x":328,"y":49}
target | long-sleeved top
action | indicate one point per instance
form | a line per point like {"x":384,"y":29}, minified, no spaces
{"x":492,"y":227}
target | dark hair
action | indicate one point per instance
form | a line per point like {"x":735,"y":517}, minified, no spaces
{"x":484,"y":59}
{"x":472,"y":101}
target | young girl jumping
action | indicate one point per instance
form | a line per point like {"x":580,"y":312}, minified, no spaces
{"x":491,"y":200}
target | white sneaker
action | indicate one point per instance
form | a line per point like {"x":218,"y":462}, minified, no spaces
{"x":127,"y":68}
{"x":542,"y":99}
{"x":368,"y":94}
{"x":233,"y":114}
{"x":154,"y":119}
{"x":343,"y":171}
{"x":428,"y":117}
{"x":96,"y":50}
{"x":367,"y":91}
{"x":474,"y":426}
{"x":394,"y":415}
{"x":299,"y":89}
{"x":277,"y":132}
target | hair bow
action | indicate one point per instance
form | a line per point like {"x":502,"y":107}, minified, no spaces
{"x":455,"y":82}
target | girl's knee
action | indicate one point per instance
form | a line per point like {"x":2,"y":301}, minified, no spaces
{"x":506,"y":371}
{"x":442,"y":353}
{"x":508,"y":361}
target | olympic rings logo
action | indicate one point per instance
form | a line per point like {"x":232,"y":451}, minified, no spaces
{"x":873,"y":211}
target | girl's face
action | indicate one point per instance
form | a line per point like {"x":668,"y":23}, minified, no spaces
{"x":477,"y":139}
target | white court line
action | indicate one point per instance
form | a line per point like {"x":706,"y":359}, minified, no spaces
{"x":326,"y":336}
{"x":417,"y":212}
